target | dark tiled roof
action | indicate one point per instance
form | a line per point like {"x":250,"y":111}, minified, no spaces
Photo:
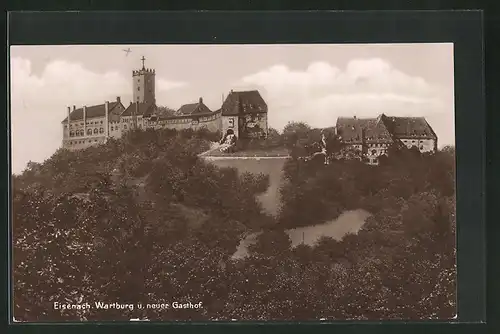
{"x":193,"y":108}
{"x":92,"y":111}
{"x":144,"y":109}
{"x":376,"y":131}
{"x":409,"y":127}
{"x":351,"y":129}
{"x":383,"y":128}
{"x":243,"y":102}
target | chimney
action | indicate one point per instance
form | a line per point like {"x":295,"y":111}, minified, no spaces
{"x":106,"y":120}
{"x":74,"y":108}
{"x":231,"y":90}
{"x":118,"y":99}
{"x":69,"y":112}
{"x":201,"y":100}
{"x":84,"y":120}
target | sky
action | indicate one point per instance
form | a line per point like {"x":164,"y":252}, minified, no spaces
{"x":313,"y":83}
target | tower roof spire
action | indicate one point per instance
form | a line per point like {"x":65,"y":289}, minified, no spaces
{"x":143,"y":59}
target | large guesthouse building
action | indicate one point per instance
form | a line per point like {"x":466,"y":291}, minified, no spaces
{"x":372,"y":137}
{"x":244,"y":112}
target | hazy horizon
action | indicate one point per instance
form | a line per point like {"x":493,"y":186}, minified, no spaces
{"x":309,"y":83}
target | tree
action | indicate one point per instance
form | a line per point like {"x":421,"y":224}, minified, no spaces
{"x":294,"y":132}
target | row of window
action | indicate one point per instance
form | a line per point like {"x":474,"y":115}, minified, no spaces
{"x":81,"y":133}
{"x":374,"y":152}
{"x":78,"y":133}
{"x":377,"y":145}
{"x":129,"y":120}
{"x":81,"y":124}
{"x":75,"y":142}
{"x":413,"y":141}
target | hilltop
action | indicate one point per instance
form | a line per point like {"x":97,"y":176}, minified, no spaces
{"x":144,"y":219}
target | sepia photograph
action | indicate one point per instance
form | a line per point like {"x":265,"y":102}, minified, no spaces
{"x":233,"y":182}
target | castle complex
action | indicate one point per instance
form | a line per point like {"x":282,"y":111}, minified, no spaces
{"x":373,"y":136}
{"x":244,"y":112}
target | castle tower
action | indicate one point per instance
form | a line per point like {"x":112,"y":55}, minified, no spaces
{"x":144,"y":84}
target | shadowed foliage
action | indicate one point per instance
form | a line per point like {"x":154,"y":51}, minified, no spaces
{"x":145,"y":220}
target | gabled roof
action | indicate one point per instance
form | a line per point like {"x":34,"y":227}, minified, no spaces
{"x":243,"y":102}
{"x":91,"y":112}
{"x":351,"y":128}
{"x":144,"y":109}
{"x":383,"y":128}
{"x":409,"y":127}
{"x":376,"y":131}
{"x":193,"y":108}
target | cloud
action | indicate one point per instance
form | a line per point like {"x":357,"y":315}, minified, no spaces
{"x":165,"y":85}
{"x":39,"y":103}
{"x":365,"y":88}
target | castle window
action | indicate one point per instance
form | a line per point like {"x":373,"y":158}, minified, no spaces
{"x":112,"y":128}
{"x":138,"y":89}
{"x":96,"y":131}
{"x":101,"y":122}
{"x":125,"y":126}
{"x":101,"y":130}
{"x":89,"y":132}
{"x":71,"y":134}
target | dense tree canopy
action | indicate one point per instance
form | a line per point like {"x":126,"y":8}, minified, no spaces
{"x":144,"y":220}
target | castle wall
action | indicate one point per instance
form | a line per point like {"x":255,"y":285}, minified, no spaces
{"x":79,"y":143}
{"x":230,"y":122}
{"x":424,"y":145}
{"x":210,"y":122}
{"x":253,"y":125}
